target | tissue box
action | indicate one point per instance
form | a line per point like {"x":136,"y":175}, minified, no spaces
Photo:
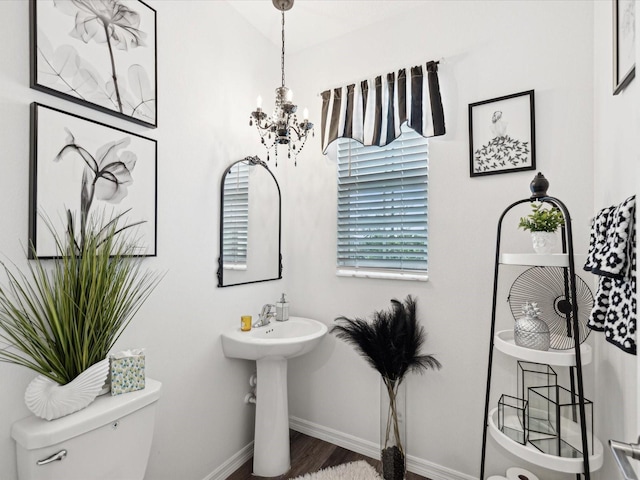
{"x":127,"y":372}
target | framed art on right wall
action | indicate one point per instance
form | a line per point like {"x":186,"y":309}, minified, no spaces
{"x":624,"y":25}
{"x":502,"y":135}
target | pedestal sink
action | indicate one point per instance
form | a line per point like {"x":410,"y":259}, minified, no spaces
{"x":271,"y":346}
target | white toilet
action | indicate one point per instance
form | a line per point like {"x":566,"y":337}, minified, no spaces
{"x":108,"y":440}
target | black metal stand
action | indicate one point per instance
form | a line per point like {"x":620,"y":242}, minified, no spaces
{"x":539,"y":193}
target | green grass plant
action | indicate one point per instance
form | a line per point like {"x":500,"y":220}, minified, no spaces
{"x":64,"y":315}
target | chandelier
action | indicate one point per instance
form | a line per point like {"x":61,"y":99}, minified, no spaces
{"x":282,"y":128}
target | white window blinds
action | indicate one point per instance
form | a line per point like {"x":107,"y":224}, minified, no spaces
{"x":236,"y":216}
{"x":382,"y":204}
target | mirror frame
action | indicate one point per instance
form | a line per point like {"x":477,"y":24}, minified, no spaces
{"x":252,"y":161}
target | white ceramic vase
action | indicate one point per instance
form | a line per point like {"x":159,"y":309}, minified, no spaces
{"x":50,"y":400}
{"x":544,"y":242}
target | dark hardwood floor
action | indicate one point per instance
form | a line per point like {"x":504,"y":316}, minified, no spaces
{"x":309,"y":455}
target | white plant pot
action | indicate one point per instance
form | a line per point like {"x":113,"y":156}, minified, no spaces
{"x":49,"y":400}
{"x":544,"y":242}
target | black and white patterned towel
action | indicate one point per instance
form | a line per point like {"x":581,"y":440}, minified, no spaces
{"x":598,"y":239}
{"x":612,"y":256}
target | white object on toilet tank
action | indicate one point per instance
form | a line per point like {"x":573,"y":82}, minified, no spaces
{"x":110,"y":439}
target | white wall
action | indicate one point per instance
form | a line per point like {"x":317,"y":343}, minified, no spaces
{"x":491,"y":49}
{"x":616,"y":177}
{"x":211,"y":66}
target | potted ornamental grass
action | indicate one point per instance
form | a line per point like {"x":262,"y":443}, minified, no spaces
{"x":543,"y":224}
{"x":62,"y":316}
{"x":391,"y":344}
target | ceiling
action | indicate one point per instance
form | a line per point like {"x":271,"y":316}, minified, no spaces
{"x":312,"y":22}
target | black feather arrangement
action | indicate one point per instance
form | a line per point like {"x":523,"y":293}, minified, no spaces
{"x":391,"y":344}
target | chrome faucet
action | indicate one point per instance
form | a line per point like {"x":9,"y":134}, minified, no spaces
{"x":623,"y":450}
{"x":265,"y":316}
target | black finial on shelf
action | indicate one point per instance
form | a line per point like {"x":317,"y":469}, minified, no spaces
{"x":539,"y":186}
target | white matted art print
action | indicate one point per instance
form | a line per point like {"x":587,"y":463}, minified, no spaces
{"x":502,"y":134}
{"x":91,"y":170}
{"x":99,"y":53}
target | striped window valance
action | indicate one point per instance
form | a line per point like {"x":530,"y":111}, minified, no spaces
{"x":372,"y":111}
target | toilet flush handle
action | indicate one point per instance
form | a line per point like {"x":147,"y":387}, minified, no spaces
{"x":56,"y":457}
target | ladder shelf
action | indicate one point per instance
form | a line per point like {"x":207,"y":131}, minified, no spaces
{"x":580,"y":354}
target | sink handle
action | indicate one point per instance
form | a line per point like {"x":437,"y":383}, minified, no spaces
{"x":623,"y":450}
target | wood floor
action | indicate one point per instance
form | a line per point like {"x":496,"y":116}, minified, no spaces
{"x":309,"y":455}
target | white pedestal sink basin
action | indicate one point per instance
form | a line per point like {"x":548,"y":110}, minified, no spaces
{"x":270,"y":346}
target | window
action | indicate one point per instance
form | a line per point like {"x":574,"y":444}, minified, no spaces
{"x":236,"y":217}
{"x":382,"y":207}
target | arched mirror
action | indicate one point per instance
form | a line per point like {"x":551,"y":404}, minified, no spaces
{"x":250,"y":231}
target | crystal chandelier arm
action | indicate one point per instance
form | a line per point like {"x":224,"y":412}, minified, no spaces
{"x":301,"y":129}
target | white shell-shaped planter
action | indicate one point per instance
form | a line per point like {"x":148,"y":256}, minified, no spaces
{"x":49,"y":400}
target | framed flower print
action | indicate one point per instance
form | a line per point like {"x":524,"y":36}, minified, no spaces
{"x":93,"y":171}
{"x":98,"y":53}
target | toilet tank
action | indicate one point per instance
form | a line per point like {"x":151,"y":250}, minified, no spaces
{"x":108,"y":440}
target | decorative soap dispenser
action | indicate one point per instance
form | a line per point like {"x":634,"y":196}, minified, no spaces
{"x":282,"y":310}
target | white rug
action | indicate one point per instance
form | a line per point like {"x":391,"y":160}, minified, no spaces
{"x":359,"y":470}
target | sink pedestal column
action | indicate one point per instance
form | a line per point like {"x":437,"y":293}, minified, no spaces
{"x":271,"y":456}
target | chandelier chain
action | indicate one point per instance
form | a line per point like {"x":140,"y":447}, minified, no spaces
{"x":282,"y":54}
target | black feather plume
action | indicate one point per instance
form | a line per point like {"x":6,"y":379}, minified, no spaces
{"x":391,"y":342}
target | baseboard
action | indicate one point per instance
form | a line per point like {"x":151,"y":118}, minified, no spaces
{"x":344,"y":440}
{"x":371,"y":449}
{"x":231,"y":465}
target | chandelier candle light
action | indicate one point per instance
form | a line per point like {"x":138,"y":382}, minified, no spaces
{"x":282,"y":128}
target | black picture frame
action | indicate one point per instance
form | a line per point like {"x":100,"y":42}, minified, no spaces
{"x":493,"y":150}
{"x":624,"y":66}
{"x":73,"y":58}
{"x":76,"y":165}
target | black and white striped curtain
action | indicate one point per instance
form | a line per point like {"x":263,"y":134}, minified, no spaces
{"x":372,"y":111}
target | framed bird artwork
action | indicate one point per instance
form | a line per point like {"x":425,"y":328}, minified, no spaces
{"x":502,"y":135}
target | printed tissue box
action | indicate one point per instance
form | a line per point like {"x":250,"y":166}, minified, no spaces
{"x":127,"y":371}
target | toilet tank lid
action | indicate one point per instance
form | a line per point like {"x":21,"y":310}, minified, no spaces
{"x":33,"y":432}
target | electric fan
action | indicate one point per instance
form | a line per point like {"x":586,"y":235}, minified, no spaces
{"x":547,"y":286}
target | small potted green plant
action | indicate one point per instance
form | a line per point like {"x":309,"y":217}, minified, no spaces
{"x":543,"y":224}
